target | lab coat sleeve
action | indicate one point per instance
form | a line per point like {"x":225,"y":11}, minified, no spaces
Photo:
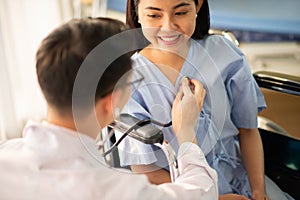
{"x":196,"y":180}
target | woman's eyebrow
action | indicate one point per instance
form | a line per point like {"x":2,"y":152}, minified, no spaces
{"x":174,"y":7}
{"x":152,"y":8}
{"x":181,"y":5}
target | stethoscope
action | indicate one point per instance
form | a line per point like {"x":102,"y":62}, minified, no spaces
{"x":144,"y":131}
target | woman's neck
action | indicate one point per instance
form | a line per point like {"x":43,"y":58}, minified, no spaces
{"x":167,"y":62}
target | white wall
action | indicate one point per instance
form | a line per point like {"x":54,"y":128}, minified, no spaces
{"x":23,"y":24}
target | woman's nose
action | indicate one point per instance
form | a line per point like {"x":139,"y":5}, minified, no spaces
{"x":168,"y":23}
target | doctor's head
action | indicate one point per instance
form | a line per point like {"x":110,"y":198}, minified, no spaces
{"x":72,"y":50}
{"x":166,"y":22}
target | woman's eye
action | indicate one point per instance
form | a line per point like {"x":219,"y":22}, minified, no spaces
{"x":181,"y":13}
{"x":153,"y":16}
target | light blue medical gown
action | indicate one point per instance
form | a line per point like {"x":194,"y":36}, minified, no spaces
{"x":233,"y":101}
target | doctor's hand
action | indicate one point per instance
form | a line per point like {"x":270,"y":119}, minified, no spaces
{"x":186,"y":109}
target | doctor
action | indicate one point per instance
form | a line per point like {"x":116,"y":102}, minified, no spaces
{"x":58,"y":159}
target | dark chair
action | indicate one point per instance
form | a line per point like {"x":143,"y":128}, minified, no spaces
{"x":281,"y":151}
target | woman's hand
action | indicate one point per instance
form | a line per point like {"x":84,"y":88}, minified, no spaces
{"x":232,"y":197}
{"x":186,"y":109}
{"x":256,"y":195}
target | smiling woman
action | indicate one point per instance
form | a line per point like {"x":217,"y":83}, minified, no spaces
{"x":180,"y":46}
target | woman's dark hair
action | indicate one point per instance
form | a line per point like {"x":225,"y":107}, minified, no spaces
{"x":62,"y":52}
{"x":202,"y":20}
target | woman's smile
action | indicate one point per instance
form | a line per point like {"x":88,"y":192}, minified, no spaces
{"x":169,"y":39}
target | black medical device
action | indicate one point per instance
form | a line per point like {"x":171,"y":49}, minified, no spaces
{"x":142,"y":130}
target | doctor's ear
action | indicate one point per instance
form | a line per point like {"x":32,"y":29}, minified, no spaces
{"x":104,"y":110}
{"x":198,"y":7}
{"x":103,"y":105}
{"x":106,"y":104}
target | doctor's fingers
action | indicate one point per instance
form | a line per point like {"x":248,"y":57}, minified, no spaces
{"x":186,"y":87}
{"x":199,"y":91}
{"x":179,"y":95}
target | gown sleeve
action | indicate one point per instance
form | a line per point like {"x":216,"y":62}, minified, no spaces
{"x":244,"y":94}
{"x":132,"y":151}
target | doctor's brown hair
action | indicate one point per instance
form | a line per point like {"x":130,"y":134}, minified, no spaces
{"x":63,"y":51}
{"x":202,"y":20}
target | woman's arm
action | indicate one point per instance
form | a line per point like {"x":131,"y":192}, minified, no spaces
{"x":155,"y":174}
{"x":253,"y":158}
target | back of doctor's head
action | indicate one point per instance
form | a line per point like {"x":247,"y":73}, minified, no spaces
{"x":63,"y":51}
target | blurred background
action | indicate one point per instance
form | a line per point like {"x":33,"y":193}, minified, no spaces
{"x":268,"y":33}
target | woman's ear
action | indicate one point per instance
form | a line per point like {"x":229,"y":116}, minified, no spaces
{"x":198,"y":7}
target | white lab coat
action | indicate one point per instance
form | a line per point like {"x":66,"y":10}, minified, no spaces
{"x":51,"y":162}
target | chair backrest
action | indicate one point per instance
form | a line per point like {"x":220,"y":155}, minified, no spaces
{"x":282,"y":94}
{"x":226,"y":34}
{"x":281,"y":151}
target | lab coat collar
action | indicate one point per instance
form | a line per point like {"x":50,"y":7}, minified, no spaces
{"x":47,"y":138}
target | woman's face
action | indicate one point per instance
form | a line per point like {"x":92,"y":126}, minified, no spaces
{"x":167,"y":24}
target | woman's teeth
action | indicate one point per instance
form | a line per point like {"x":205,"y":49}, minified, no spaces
{"x":169,"y":39}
